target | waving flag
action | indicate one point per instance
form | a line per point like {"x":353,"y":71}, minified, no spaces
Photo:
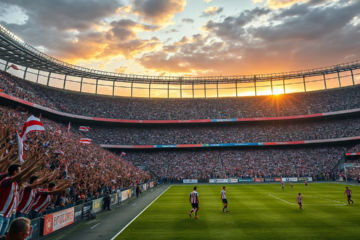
{"x":59,"y":151}
{"x":85,"y":140}
{"x":13,"y":66}
{"x":20,"y":147}
{"x":85,"y":129}
{"x":69,"y":126}
{"x":32,"y":124}
{"x":123,"y":154}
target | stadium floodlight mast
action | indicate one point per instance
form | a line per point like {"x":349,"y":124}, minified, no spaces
{"x":345,"y":167}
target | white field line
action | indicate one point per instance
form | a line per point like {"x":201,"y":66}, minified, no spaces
{"x":139,"y":214}
{"x":327,"y":199}
{"x":310,"y":203}
{"x":95,"y":226}
{"x":282,"y":200}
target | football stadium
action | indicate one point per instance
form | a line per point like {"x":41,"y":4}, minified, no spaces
{"x":175,"y":119}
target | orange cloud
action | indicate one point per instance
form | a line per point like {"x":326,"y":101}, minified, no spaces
{"x":120,"y":69}
{"x":280,"y":3}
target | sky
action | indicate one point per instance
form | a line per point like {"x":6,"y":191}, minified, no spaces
{"x":190,"y":37}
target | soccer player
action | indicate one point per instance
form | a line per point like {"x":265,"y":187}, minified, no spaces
{"x":348,"y":194}
{"x":306,"y":183}
{"x":194,"y":200}
{"x":282,"y":185}
{"x":291,"y":184}
{"x":299,"y":201}
{"x":224,"y":199}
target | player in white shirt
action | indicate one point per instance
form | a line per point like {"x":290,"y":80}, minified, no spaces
{"x":224,"y":199}
{"x":194,"y":200}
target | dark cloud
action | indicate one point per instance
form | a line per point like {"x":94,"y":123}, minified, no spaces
{"x":187,"y":20}
{"x":157,"y":11}
{"x":211,"y":11}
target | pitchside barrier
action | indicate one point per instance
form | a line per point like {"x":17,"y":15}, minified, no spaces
{"x":257,"y":180}
{"x":58,"y":220}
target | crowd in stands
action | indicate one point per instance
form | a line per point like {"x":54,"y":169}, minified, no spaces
{"x":251,"y":162}
{"x":57,"y":170}
{"x":181,"y":109}
{"x":229,"y":133}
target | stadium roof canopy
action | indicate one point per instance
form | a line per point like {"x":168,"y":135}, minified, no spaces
{"x":15,"y":50}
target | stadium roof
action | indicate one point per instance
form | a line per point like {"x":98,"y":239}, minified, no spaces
{"x":15,"y":50}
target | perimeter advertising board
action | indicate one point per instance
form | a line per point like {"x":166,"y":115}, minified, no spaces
{"x":259,"y":180}
{"x":86,"y":209}
{"x":229,"y":180}
{"x":245,"y":180}
{"x":58,"y":220}
{"x":269,"y":179}
{"x":290,"y":179}
{"x":190,"y":181}
{"x":78,"y":213}
{"x":278,"y":179}
{"x":309,"y":179}
{"x":97,"y":205}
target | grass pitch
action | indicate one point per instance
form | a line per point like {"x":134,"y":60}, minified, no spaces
{"x":260,"y":211}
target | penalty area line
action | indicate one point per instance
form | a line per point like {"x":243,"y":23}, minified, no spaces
{"x":139,"y":214}
{"x":281,"y":200}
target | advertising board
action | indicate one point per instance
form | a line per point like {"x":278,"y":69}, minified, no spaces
{"x":97,"y":205}
{"x":124,"y":195}
{"x":58,"y":220}
{"x":259,"y":180}
{"x":290,"y":179}
{"x":269,"y":179}
{"x":78,"y":213}
{"x":190,"y":181}
{"x":113,"y":199}
{"x":245,"y":180}
{"x":278,"y":179}
{"x":34,"y":229}
{"x":309,"y":179}
{"x":229,"y":180}
{"x":87,"y":207}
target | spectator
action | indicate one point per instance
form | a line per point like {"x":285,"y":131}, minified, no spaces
{"x":19,"y":230}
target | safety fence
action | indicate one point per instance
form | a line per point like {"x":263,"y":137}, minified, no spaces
{"x":53,"y":222}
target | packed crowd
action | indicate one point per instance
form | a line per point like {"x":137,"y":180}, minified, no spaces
{"x":181,"y":109}
{"x":204,"y":164}
{"x":229,"y":133}
{"x":57,"y":170}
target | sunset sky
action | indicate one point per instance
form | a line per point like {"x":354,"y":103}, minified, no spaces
{"x":189,"y":37}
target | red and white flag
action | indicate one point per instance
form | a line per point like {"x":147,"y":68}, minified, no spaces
{"x":69,"y":126}
{"x":32,"y":124}
{"x":101,"y":164}
{"x":13,"y":66}
{"x":85,"y":140}
{"x":123,"y":154}
{"x":85,"y":129}
{"x":58,"y":132}
{"x":20,"y":147}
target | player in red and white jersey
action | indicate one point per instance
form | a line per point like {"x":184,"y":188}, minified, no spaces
{"x":299,"y":201}
{"x":43,"y":197}
{"x":306,"y":183}
{"x":348,"y":193}
{"x":224,"y":199}
{"x":194,"y":200}
{"x":291,"y":185}
{"x":282,"y":185}
{"x":8,"y":191}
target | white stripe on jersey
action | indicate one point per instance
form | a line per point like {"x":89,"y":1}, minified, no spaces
{"x":223,"y":194}
{"x":193,"y":196}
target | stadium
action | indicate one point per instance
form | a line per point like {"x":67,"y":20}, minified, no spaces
{"x":95,"y":154}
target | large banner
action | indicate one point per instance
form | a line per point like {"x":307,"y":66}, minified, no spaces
{"x":245,"y":180}
{"x":78,"y":213}
{"x":34,"y":229}
{"x":290,"y":179}
{"x":190,"y":181}
{"x":259,"y":180}
{"x":58,"y":220}
{"x":87,"y":207}
{"x":97,"y":205}
{"x":309,"y":179}
{"x":229,"y":180}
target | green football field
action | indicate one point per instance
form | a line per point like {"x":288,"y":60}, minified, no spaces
{"x":255,"y":212}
